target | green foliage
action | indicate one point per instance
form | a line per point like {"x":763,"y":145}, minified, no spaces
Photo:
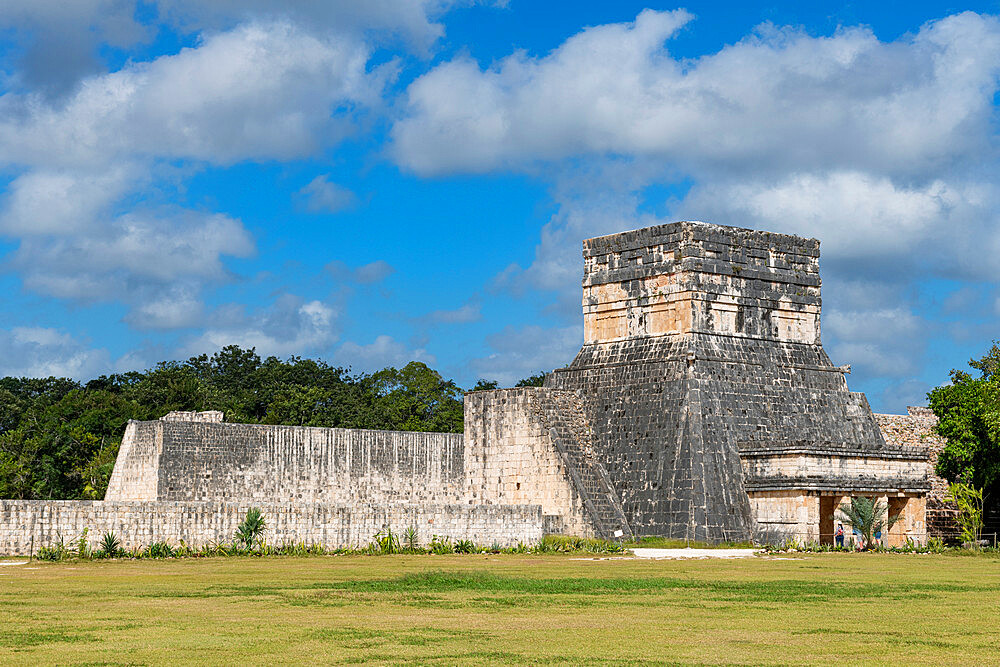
{"x":59,"y":438}
{"x":968,"y":412}
{"x":869,"y":517}
{"x":485,"y":385}
{"x":250,"y":532}
{"x":970,"y":511}
{"x":570,"y":544}
{"x":537,"y":380}
{"x":415,"y":398}
{"x":411,"y":540}
{"x":441,"y":545}
{"x":466,"y":547}
{"x":55,"y":552}
{"x":159,"y":550}
{"x":386,"y":542}
{"x":111,"y":546}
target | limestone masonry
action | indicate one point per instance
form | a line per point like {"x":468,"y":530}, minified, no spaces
{"x":701,"y":406}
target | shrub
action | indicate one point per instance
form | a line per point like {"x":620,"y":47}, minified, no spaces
{"x":111,"y":546}
{"x":160,"y":550}
{"x":441,"y":545}
{"x":969,"y":500}
{"x":386,"y":542}
{"x":411,"y":540}
{"x":868,"y":517}
{"x":250,"y":532}
{"x":466,"y":547}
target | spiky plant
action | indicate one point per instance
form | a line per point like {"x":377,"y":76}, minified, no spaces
{"x":411,"y":540}
{"x":386,"y":542}
{"x":110,"y":544}
{"x":250,"y":532}
{"x":867,"y":516}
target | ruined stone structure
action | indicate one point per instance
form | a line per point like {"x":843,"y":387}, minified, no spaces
{"x":701,"y":406}
{"x":916,"y":429}
{"x":712,"y":404}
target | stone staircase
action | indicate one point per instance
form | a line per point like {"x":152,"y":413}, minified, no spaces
{"x":562,"y":413}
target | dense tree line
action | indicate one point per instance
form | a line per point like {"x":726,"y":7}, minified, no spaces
{"x":968,"y":411}
{"x":59,"y":438}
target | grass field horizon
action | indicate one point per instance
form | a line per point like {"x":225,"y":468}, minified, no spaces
{"x":490,"y":609}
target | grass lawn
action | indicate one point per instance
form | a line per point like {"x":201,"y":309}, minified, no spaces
{"x":819,"y":608}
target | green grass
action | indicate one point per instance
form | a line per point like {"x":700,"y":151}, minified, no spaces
{"x":488,"y":609}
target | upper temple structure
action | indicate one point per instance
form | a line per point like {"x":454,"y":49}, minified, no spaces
{"x":701,"y":406}
{"x":709,"y":397}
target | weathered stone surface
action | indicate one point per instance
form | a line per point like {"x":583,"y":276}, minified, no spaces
{"x":196,"y":461}
{"x":701,"y":406}
{"x":916,"y":430}
{"x":703,"y":377}
{"x":26,"y":525}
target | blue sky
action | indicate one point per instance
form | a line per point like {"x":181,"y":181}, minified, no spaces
{"x":376,"y":182}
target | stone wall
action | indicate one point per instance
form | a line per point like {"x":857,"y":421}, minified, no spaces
{"x":510,"y":457}
{"x":208,"y":461}
{"x":916,"y":429}
{"x":27,"y":525}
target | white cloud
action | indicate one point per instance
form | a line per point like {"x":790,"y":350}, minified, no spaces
{"x":897,"y":396}
{"x":938,"y":229}
{"x":321,"y":195}
{"x":57,"y":43}
{"x":132,"y":256}
{"x":291,"y":326}
{"x":382,"y":352}
{"x":44,"y":352}
{"x":777,"y":100}
{"x":268,"y":90}
{"x":260,"y":91}
{"x":520,"y":353}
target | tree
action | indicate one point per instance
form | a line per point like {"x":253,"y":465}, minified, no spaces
{"x":869,"y":517}
{"x":970,"y":511}
{"x":968,"y":412}
{"x":536,"y":380}
{"x":416,"y":398}
{"x":59,"y":439}
{"x":486,"y":385}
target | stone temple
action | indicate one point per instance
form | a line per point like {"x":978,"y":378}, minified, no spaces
{"x":701,"y":406}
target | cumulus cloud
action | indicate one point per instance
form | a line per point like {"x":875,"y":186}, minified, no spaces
{"x":382,"y":352}
{"x":946,"y":229}
{"x":43,"y":352}
{"x":263,"y":90}
{"x":290,"y":326}
{"x":776,"y":100}
{"x":321,"y":195}
{"x":897,"y":396}
{"x":57,"y":43}
{"x":58,"y":40}
{"x":260,"y":91}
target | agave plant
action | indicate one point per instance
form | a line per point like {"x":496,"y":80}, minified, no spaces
{"x":868,"y":517}
{"x":250,"y":532}
{"x":411,"y":539}
{"x":110,"y":544}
